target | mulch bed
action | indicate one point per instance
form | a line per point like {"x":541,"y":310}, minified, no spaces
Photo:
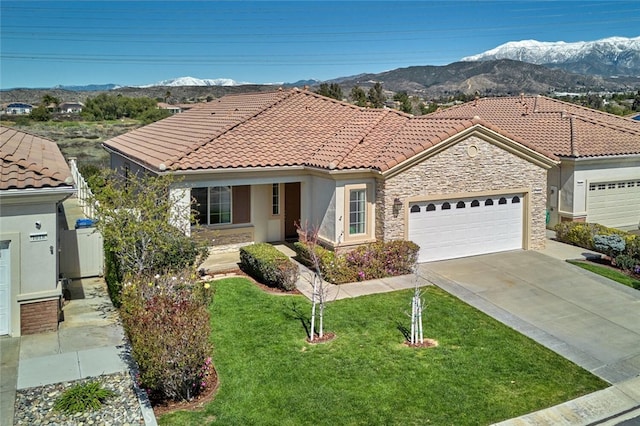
{"x":326,"y":337}
{"x":427,"y":343}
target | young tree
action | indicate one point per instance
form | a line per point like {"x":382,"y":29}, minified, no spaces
{"x":137,"y":216}
{"x":309,"y":237}
{"x":416,"y":336}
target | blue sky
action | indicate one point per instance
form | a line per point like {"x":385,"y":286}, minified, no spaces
{"x":50,"y":43}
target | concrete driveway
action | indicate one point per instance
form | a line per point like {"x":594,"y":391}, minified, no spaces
{"x":588,"y":319}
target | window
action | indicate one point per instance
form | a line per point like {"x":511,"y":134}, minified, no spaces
{"x":431,"y":207}
{"x":475,"y":203}
{"x":219,"y":205}
{"x":515,"y":200}
{"x":630,"y":184}
{"x":275,"y":199}
{"x":621,"y":185}
{"x":357,"y":211}
{"x":502,"y":201}
{"x":460,"y":205}
{"x":489,"y":202}
{"x":601,"y":186}
{"x":415,"y":208}
{"x":222,"y":205}
{"x":592,"y":187}
{"x":611,"y":186}
{"x":446,"y":206}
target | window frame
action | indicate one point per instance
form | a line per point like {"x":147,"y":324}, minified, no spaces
{"x":209,"y":204}
{"x":366,"y":214}
{"x":276,"y":200}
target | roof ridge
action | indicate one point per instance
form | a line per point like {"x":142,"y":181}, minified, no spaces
{"x":200,"y":144}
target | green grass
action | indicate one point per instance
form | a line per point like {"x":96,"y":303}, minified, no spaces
{"x":612,"y":274}
{"x":482,"y":371}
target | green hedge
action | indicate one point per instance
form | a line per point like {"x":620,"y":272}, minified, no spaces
{"x":366,"y":262}
{"x":269,"y":265}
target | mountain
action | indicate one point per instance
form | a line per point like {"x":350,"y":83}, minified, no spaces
{"x":192,"y":81}
{"x":487,"y":78}
{"x":614,"y":56}
{"x":88,"y":87}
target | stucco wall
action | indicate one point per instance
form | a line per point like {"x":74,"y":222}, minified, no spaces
{"x":454,"y":171}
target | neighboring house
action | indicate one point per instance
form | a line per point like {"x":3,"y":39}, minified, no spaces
{"x":173,"y":109}
{"x":71,"y":107}
{"x":257,"y":164}
{"x":598,"y":179}
{"x":34,"y":179}
{"x":18,"y":108}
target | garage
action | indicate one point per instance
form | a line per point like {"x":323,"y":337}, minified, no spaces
{"x":460,"y":227}
{"x":614,"y":204}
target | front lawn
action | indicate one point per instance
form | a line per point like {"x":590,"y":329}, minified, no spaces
{"x":482,"y":372}
{"x":610,"y":273}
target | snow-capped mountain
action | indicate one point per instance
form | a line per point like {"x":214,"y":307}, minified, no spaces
{"x":608,"y":57}
{"x":192,"y":81}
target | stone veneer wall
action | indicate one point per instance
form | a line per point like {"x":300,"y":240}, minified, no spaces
{"x":454,"y":171}
{"x":223,"y":237}
{"x":39,"y":317}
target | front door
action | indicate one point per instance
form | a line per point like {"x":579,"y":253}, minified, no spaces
{"x":291,"y":209}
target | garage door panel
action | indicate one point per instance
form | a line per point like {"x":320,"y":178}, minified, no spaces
{"x":614,"y":203}
{"x":458,"y":232}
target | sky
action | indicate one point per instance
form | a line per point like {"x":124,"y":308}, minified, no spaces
{"x":50,"y":43}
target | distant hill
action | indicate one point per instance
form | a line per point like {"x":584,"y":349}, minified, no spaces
{"x":614,"y":56}
{"x":487,"y":78}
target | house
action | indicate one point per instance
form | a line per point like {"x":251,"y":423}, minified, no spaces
{"x":34,"y":179}
{"x":598,"y":178}
{"x":70,"y":107}
{"x":18,"y":108}
{"x":256,"y":164}
{"x":173,"y":109}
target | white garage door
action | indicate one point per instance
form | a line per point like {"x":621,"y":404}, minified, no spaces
{"x":5,"y":287}
{"x":614,"y":203}
{"x":446,"y":229}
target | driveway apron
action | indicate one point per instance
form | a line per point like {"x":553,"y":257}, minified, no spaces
{"x":588,"y":319}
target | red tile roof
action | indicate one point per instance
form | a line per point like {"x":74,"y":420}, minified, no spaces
{"x":286,"y":128}
{"x":562,"y":128}
{"x":30,"y":161}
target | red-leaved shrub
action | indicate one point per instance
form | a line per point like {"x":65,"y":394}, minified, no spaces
{"x":167,"y":321}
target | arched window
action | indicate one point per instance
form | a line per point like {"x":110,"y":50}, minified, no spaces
{"x":475,"y":203}
{"x":502,"y":201}
{"x":515,"y":200}
{"x":446,"y":206}
{"x":488,"y":202}
{"x":431,"y":207}
{"x":460,"y":205}
{"x":415,"y":208}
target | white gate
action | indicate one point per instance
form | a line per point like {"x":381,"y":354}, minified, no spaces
{"x":81,"y":253}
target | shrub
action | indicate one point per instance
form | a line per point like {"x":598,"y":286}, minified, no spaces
{"x":611,"y":245}
{"x":168,"y":324}
{"x":268,"y":265}
{"x":377,"y":260}
{"x":581,"y":234}
{"x":112,"y":274}
{"x":626,"y":262}
{"x":82,"y":397}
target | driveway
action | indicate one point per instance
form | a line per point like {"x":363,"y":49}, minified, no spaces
{"x":588,"y":319}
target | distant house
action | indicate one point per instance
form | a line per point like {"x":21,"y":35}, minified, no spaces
{"x":71,"y":107}
{"x":34,"y":180}
{"x":173,"y":109}
{"x":18,"y":108}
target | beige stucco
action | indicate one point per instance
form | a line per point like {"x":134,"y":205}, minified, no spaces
{"x":472,"y":166}
{"x":29,"y":223}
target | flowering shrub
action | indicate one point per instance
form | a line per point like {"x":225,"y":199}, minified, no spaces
{"x":367,"y":262}
{"x":269,"y":265}
{"x":167,"y":321}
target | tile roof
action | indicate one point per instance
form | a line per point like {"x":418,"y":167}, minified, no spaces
{"x":565,"y":129}
{"x":30,"y":161}
{"x":287,"y":128}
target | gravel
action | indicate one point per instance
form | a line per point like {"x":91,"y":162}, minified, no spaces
{"x":34,"y":406}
